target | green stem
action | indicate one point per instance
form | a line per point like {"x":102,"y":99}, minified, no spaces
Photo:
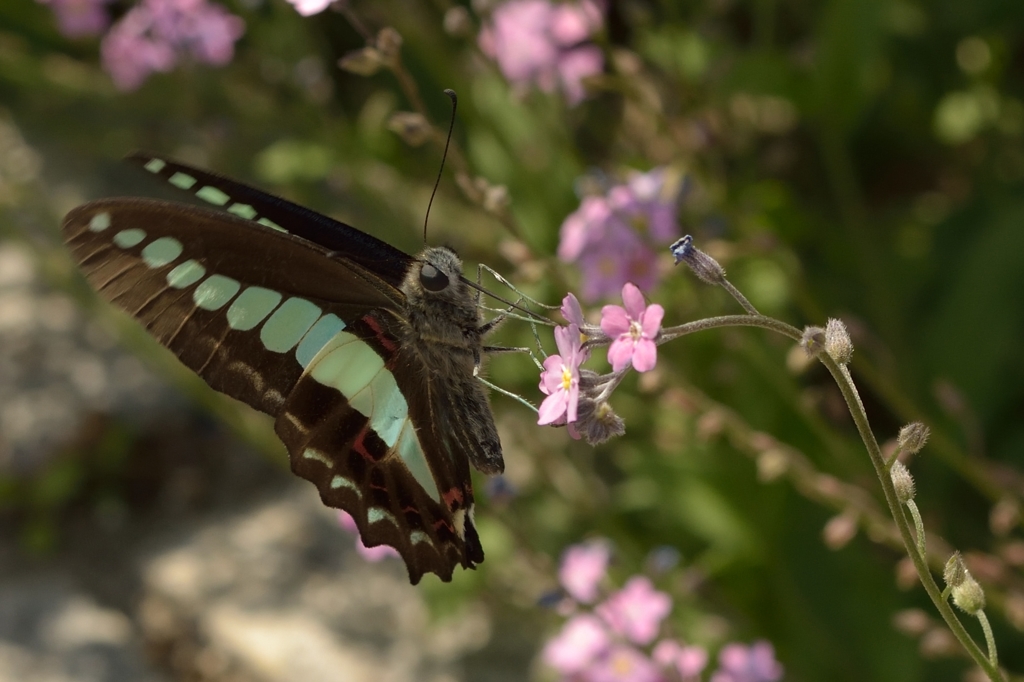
{"x":918,"y":526}
{"x":990,"y":641}
{"x":842,"y":377}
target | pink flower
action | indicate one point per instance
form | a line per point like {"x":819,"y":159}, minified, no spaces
{"x":636,"y":611}
{"x":612,"y":237}
{"x":583,"y":638}
{"x":634,"y":329}
{"x":623,"y":663}
{"x":537,"y":43}
{"x":155,"y":34}
{"x":583,"y":567}
{"x":310,"y":7}
{"x":76,"y":18}
{"x":739,"y":663}
{"x":371,"y":554}
{"x":560,"y":380}
{"x":688,"y":661}
{"x":571,"y":310}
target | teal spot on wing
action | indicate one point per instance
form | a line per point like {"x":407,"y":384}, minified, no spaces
{"x":289,"y":324}
{"x":215,"y":291}
{"x":318,"y":456}
{"x":409,"y":449}
{"x":347,"y":364}
{"x":418,"y":536}
{"x":357,"y":371}
{"x":213,"y":195}
{"x":267,"y":222}
{"x":317,"y":337}
{"x":126,"y":239}
{"x":375,"y":514}
{"x":186,"y":274}
{"x":243,"y":211}
{"x":342,"y":482}
{"x":182,"y":180}
{"x":99,"y":222}
{"x":161,"y":252}
{"x":249,"y":309}
{"x":155,"y":165}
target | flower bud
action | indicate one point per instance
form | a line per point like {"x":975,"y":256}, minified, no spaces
{"x":969,"y":596}
{"x":955,"y":571}
{"x":413,"y":128}
{"x":389,"y":43}
{"x":813,"y":341}
{"x":912,"y":437}
{"x":704,"y":266}
{"x":364,"y":62}
{"x":902,"y":481}
{"x":837,"y":341}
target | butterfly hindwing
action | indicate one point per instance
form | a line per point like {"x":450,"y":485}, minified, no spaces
{"x":309,"y":335}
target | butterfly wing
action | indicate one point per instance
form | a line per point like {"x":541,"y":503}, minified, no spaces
{"x":304,"y":334}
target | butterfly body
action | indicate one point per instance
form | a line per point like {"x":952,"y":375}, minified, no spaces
{"x":366,"y":356}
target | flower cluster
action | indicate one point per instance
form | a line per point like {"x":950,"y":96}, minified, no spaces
{"x":579,"y":398}
{"x":543,"y":44}
{"x":372,"y":554}
{"x":156,"y":34}
{"x":310,"y":7}
{"x":612,"y":237}
{"x":80,"y":18}
{"x":619,"y":639}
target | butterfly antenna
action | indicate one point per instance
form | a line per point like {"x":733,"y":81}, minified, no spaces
{"x":451,"y":126}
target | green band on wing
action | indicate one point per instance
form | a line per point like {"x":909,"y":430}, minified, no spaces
{"x":375,"y":514}
{"x":99,"y":222}
{"x":186,"y":274}
{"x":289,"y":324}
{"x":215,"y":291}
{"x":342,"y":482}
{"x":251,"y":307}
{"x":155,"y":165}
{"x":161,"y":252}
{"x":243,"y":211}
{"x":126,"y":239}
{"x":182,"y":180}
{"x":317,"y":456}
{"x":317,"y":337}
{"x":213,"y":195}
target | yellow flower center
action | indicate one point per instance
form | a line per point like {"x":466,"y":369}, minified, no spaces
{"x":635,"y":330}
{"x":566,"y":378}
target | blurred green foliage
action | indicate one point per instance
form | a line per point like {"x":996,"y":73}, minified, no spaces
{"x":852,"y":158}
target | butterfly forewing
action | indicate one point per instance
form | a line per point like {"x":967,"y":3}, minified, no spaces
{"x":303,"y":333}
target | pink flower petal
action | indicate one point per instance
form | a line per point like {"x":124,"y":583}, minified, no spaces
{"x":614,"y":320}
{"x":553,"y":407}
{"x":645,"y":355}
{"x":651,"y":321}
{"x":634,"y":301}
{"x":583,"y":568}
{"x":620,"y":353}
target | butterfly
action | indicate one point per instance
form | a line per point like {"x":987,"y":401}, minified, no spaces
{"x":365,"y":355}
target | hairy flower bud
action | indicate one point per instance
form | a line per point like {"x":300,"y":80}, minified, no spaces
{"x":595,"y":421}
{"x":837,"y":341}
{"x":902,"y":481}
{"x":969,"y":596}
{"x":704,"y":266}
{"x":955,"y":571}
{"x":389,"y":43}
{"x":813,"y":341}
{"x":912,"y":437}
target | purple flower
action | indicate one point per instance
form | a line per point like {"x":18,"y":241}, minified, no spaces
{"x":571,"y":311}
{"x":371,"y":554}
{"x":634,"y":329}
{"x":155,"y":34}
{"x":636,"y":611}
{"x":623,"y":663}
{"x":583,"y":638}
{"x":310,"y":7}
{"x":688,"y":661}
{"x":739,"y":663}
{"x":560,"y":380}
{"x":77,"y":18}
{"x":536,"y":42}
{"x":612,"y":237}
{"x":583,"y":567}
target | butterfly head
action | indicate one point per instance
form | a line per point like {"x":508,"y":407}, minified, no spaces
{"x":436,"y":277}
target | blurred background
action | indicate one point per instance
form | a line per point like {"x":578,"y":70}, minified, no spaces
{"x":857,"y":159}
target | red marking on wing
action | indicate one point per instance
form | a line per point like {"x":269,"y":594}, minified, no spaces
{"x":378,"y":332}
{"x":453,"y":498}
{"x":359,"y":446}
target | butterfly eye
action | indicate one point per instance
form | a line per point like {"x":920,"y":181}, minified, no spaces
{"x":433,"y":279}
